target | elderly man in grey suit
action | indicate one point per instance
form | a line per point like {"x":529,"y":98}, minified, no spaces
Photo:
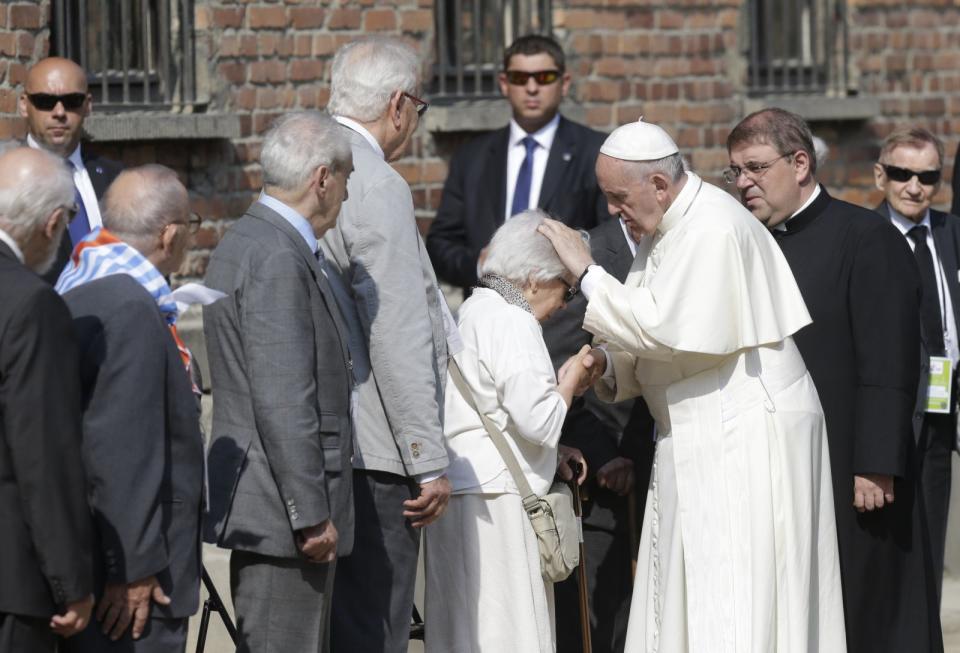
{"x":279,"y":460}
{"x":397,"y":313}
{"x":142,"y":448}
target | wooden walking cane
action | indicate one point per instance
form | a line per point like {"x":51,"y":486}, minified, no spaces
{"x":582,"y":567}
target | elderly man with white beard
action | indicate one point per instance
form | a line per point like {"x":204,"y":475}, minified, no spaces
{"x":738,"y":549}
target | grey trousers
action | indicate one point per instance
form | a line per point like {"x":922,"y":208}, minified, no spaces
{"x":159,"y":636}
{"x":373,"y":595}
{"x":26,"y":634}
{"x":282,"y":605}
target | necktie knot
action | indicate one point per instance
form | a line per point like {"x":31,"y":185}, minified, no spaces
{"x":918,"y":234}
{"x":530,"y":143}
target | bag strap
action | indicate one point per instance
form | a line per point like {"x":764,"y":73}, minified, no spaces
{"x":530,"y":500}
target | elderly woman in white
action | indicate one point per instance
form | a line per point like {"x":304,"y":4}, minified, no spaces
{"x":484,"y":591}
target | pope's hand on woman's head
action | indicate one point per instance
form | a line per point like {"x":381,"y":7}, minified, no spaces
{"x":572,"y":249}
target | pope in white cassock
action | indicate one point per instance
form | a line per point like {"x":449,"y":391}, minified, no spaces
{"x":738,"y":551}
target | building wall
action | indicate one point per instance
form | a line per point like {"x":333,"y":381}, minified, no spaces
{"x":680,"y":64}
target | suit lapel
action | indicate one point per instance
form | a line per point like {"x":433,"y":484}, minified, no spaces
{"x":95,"y":172}
{"x":258,"y":210}
{"x":494,"y":177}
{"x":947,"y":252}
{"x":560,"y":159}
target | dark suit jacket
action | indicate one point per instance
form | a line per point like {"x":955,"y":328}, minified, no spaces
{"x":474,"y":196}
{"x":945,"y":228}
{"x":102,"y":172}
{"x":45,"y":535}
{"x":142,"y":447}
{"x":280,"y":456}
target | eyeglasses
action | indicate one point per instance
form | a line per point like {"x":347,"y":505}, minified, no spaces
{"x":927,"y":177}
{"x":571,"y":291}
{"x":48,"y":101}
{"x":753,"y":171}
{"x":70,"y":211}
{"x":192,"y":223}
{"x":419,"y":105}
{"x":541,"y":77}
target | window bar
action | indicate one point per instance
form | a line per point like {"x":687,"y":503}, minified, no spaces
{"x":59,"y":22}
{"x":458,"y":31}
{"x":845,"y":44}
{"x":768,"y":45}
{"x":68,"y":28}
{"x":82,"y":11}
{"x":477,"y":42}
{"x":146,"y":49}
{"x":125,"y":50}
{"x":104,"y":53}
{"x":442,"y":48}
{"x":163,"y":29}
{"x":186,"y":22}
{"x":546,"y":16}
{"x":830,"y":43}
{"x":754,"y":44}
{"x":793,"y":63}
{"x":498,"y":41}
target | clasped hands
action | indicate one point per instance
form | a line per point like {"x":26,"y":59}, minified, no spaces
{"x":587,"y":366}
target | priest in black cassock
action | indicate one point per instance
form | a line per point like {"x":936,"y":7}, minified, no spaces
{"x":860,"y":282}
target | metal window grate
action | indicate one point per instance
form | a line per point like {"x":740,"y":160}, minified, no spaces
{"x":798,"y":47}
{"x":138,"y":54}
{"x":471,"y":38}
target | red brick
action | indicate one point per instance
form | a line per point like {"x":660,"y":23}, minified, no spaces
{"x":302,"y":45}
{"x":245,"y":98}
{"x":13,"y":127}
{"x":416,"y":21}
{"x":307,"y":17}
{"x":267,"y":43}
{"x":324,"y":44}
{"x":3,"y":15}
{"x":344,"y":19}
{"x":306,"y":69}
{"x":8,"y":100}
{"x":248,"y":45}
{"x":8,"y":44}
{"x":434,"y":171}
{"x":233,"y":71}
{"x":24,"y":16}
{"x":378,"y":20}
{"x":224,"y":17}
{"x":25,"y":44}
{"x":669,"y":19}
{"x":16,"y":74}
{"x":267,"y":17}
{"x":228,"y":46}
{"x":268,"y":71}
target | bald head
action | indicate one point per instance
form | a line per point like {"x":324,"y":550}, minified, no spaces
{"x":55,"y":103}
{"x":140,"y":205}
{"x":36,"y":188}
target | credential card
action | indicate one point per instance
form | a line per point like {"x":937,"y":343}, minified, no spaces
{"x":941,"y":381}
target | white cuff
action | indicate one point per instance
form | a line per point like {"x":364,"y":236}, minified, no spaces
{"x":608,"y":368}
{"x":427,"y":477}
{"x":590,"y":280}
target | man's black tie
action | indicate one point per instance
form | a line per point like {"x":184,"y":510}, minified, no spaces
{"x":931,"y":319}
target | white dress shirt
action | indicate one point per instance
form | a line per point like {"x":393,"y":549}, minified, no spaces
{"x":81,"y":181}
{"x":363,"y":131}
{"x":12,"y":244}
{"x":946,"y":304}
{"x":517,"y":152}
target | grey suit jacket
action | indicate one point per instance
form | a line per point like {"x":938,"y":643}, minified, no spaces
{"x":279,"y":457}
{"x":380,"y":255}
{"x":142,"y":448}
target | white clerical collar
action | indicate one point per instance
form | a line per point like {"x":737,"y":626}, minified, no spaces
{"x":75,"y":158}
{"x":678,"y":209}
{"x":12,"y":244}
{"x":543,"y":136}
{"x":631,"y":243}
{"x":905,"y":224}
{"x":814,"y":195}
{"x":363,"y":131}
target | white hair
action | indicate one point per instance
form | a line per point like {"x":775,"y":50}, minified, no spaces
{"x":138,"y":216}
{"x":298,"y":143}
{"x":821,"y":150}
{"x":366,"y":72}
{"x":25,"y":208}
{"x":672,"y":166}
{"x":520,"y":253}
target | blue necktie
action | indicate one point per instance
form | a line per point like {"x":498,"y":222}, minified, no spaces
{"x":521,"y":192}
{"x":80,"y":225}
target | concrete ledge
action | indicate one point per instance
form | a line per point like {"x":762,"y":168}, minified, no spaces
{"x":142,"y":125}
{"x":818,"y":108}
{"x":481,"y":115}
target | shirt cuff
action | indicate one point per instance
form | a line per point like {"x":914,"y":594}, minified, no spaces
{"x":590,"y":280}
{"x":427,"y":477}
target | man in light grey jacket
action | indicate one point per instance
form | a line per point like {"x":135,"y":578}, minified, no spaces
{"x":279,"y":461}
{"x":395,"y":312}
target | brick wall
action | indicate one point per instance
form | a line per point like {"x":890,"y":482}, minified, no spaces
{"x":680,"y":65}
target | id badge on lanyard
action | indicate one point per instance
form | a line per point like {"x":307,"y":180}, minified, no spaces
{"x":941,"y":381}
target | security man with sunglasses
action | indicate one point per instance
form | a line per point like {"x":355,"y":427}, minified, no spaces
{"x":539,"y":160}
{"x":908,"y":173}
{"x":55,"y":102}
{"x":861,"y":286}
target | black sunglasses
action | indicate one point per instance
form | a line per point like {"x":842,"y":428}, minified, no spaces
{"x":927,"y":177}
{"x":570,"y":293}
{"x":542,"y":77}
{"x":47,"y":101}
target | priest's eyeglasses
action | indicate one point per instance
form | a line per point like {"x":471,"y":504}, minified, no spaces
{"x":753,"y":171}
{"x":541,"y":77}
{"x":927,"y":177}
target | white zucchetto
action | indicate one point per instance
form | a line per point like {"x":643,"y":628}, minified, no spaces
{"x":639,"y":141}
